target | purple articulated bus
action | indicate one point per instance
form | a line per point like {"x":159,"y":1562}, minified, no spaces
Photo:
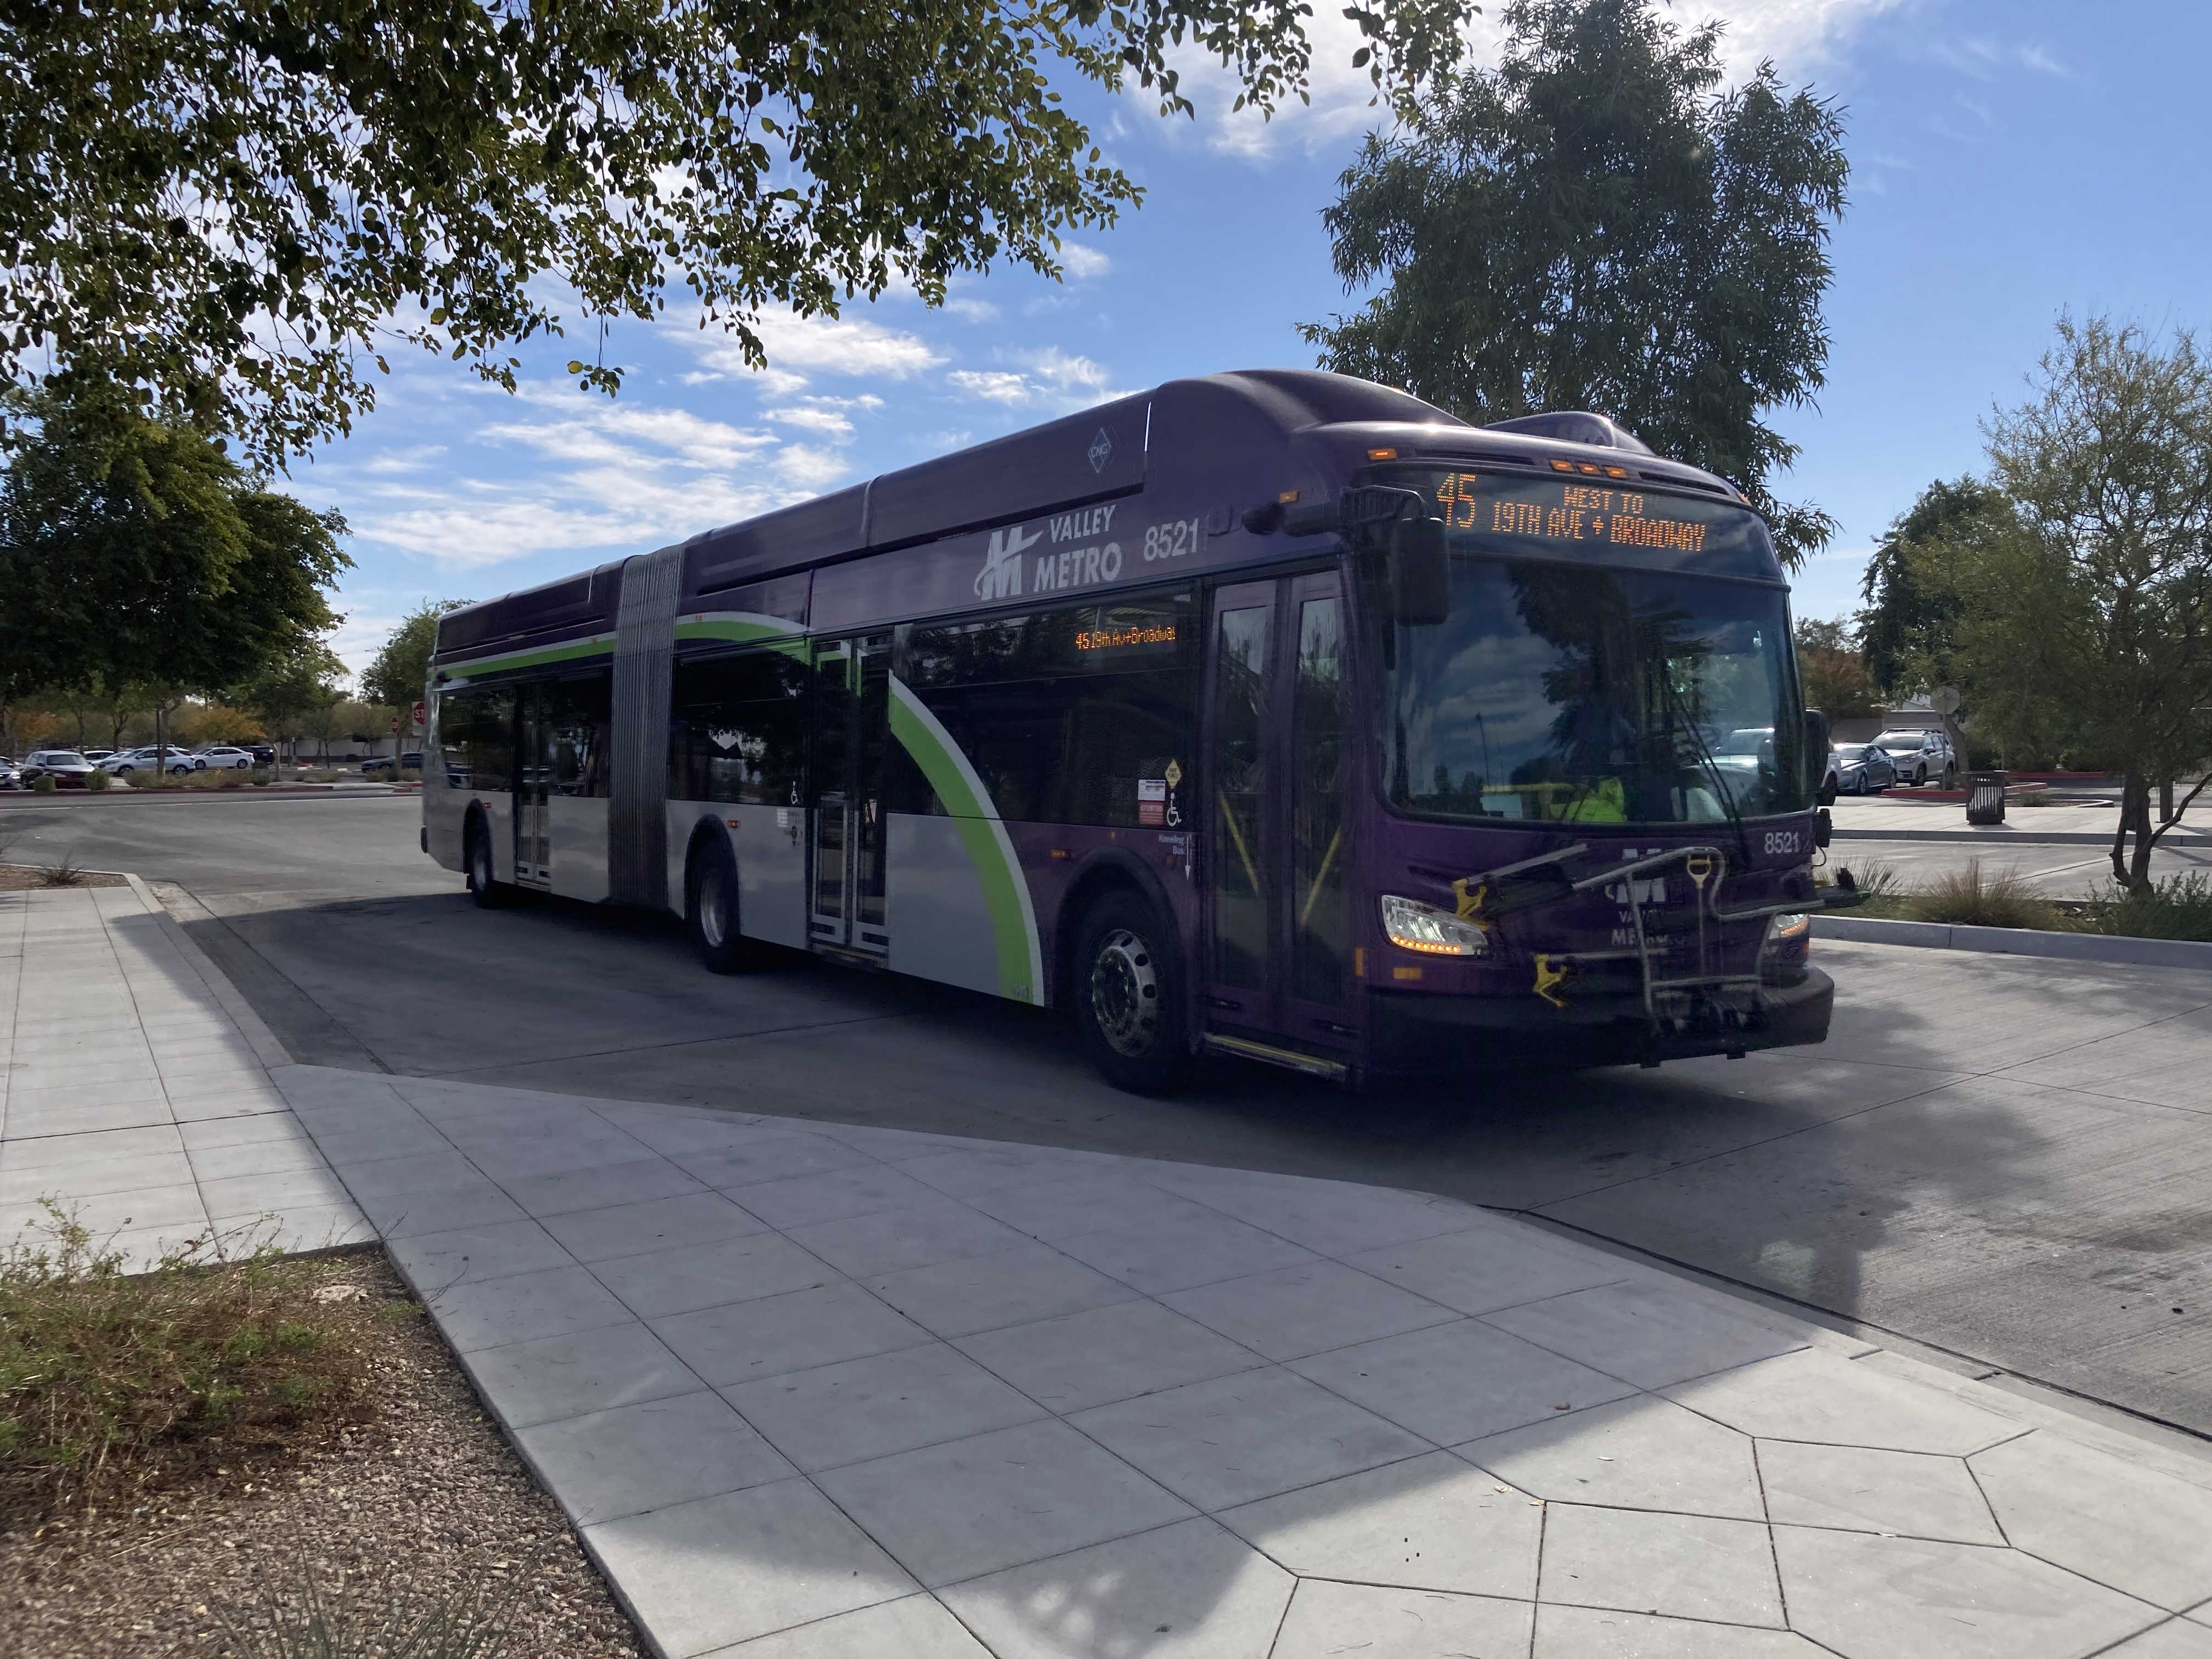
{"x":1275,"y":714}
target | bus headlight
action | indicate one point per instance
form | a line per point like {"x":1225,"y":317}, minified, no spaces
{"x":1414,"y":926}
{"x":1788,"y":944}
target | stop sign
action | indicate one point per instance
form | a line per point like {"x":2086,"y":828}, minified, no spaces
{"x":418,"y":714}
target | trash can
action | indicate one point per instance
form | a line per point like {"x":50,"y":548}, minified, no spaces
{"x":1985,"y":797}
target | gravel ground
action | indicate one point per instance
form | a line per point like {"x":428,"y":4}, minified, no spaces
{"x":406,"y":1510}
{"x":22,"y":878}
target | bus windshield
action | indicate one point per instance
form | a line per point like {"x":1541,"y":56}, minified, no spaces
{"x":1589,"y":696}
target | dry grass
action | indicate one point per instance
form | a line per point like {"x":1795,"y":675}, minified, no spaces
{"x":1973,"y":898}
{"x":112,"y":1384}
{"x":62,"y":872}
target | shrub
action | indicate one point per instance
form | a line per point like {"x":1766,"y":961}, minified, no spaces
{"x":62,"y":872}
{"x":43,"y":784}
{"x":2180,"y":907}
{"x":1968,"y":897}
{"x":113,"y":1381}
{"x":98,"y":780}
{"x":298,"y":1620}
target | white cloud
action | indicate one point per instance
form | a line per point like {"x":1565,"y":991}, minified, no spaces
{"x":1050,"y":379}
{"x":812,"y":418}
{"x":1804,"y":38}
{"x":1083,"y":263}
{"x":825,"y":345}
{"x":973,"y":311}
{"x":602,"y":478}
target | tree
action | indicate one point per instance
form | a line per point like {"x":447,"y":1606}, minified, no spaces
{"x":1593,"y":226}
{"x":1835,"y":675}
{"x":134,"y":552}
{"x":1906,"y":628}
{"x":2090,"y":603}
{"x":288,"y":695}
{"x":401,"y":668}
{"x":241,"y":205}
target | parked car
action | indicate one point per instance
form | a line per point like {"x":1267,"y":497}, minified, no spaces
{"x":11,"y":775}
{"x":95,"y":756}
{"x":381,"y":766}
{"x":1860,"y":768}
{"x":263,"y":754}
{"x":1920,"y":756}
{"x":223,"y":757}
{"x":68,"y":768}
{"x":124,"y":762}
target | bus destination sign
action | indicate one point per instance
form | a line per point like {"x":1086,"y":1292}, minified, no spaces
{"x":1556,"y":511}
{"x":1597,"y":521}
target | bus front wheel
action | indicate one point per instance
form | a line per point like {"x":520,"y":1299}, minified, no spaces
{"x":488,"y":892}
{"x":1128,"y":1000}
{"x":712,"y":911}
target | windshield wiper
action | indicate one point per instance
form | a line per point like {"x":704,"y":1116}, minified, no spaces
{"x":1713,"y":770}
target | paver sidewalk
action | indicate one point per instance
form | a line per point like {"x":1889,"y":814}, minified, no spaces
{"x":814,"y":1390}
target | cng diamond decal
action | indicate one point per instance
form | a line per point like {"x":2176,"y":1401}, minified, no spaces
{"x":1102,"y":450}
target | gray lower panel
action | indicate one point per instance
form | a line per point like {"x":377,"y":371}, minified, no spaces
{"x":940,"y":928}
{"x":769,"y":843}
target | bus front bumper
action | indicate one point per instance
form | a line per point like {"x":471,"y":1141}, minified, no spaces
{"x":1414,"y":1033}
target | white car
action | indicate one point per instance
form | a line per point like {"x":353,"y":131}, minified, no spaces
{"x":124,"y":762}
{"x":222,"y":757}
{"x":1920,"y":756}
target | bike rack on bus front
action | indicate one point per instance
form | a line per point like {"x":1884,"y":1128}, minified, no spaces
{"x":1554,"y":971}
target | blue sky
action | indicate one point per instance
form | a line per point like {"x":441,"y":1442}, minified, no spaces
{"x":2008,"y":160}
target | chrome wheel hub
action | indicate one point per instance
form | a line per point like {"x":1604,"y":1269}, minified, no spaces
{"x":714,"y":926}
{"x":1125,"y":993}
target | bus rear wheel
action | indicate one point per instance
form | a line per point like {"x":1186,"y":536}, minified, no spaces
{"x":1128,"y":996}
{"x":711,"y":910}
{"x":488,"y":892}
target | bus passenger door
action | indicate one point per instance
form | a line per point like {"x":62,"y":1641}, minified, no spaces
{"x":534,"y":786}
{"x":852,"y":732}
{"x":1278,"y":954}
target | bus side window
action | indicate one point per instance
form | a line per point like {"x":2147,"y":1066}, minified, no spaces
{"x":476,"y":728}
{"x":581,"y":709}
{"x":1062,"y":713}
{"x":738,"y":729}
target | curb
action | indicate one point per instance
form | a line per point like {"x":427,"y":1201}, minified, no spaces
{"x":262,"y":1041}
{"x":2019,"y":837}
{"x":2018,"y":942}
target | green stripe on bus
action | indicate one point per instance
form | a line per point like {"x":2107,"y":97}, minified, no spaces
{"x":537,"y":659}
{"x":1005,"y":890}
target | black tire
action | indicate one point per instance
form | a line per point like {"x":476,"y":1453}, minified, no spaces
{"x":1920,"y":778}
{"x":1128,"y":991}
{"x":1950,"y":774}
{"x":710,"y":910}
{"x":476,"y":855}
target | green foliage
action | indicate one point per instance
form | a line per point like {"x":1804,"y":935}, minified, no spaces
{"x":134,"y":552}
{"x":43,"y":785}
{"x":400,"y":669}
{"x":2083,"y":618}
{"x":113,"y":1380}
{"x":1595,"y":225}
{"x":2179,"y":906}
{"x":241,"y":206}
{"x":1906,"y":631}
{"x":1834,"y":674}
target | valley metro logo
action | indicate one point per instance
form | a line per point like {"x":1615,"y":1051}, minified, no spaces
{"x":1000,"y":578}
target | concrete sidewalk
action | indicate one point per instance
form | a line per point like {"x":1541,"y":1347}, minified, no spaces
{"x":1882,"y":817}
{"x":134,"y":1082}
{"x":812,"y":1388}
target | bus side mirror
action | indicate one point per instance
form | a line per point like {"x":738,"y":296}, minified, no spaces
{"x":1816,"y":751}
{"x":1420,"y":571}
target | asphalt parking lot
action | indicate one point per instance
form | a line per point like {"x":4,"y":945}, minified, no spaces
{"x":2004,"y":1158}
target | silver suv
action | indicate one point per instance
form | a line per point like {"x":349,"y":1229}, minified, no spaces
{"x":1920,"y":756}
